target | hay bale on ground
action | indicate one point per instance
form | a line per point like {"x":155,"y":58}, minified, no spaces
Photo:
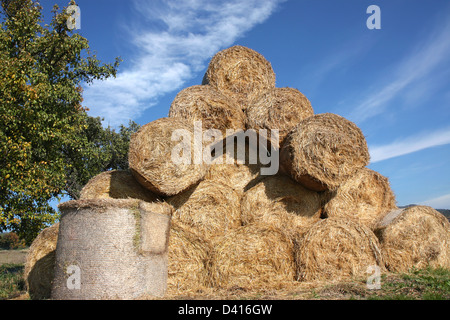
{"x":414,"y":237}
{"x":116,"y":184}
{"x":278,"y":108}
{"x":366,"y":197}
{"x":280,"y":202}
{"x":241,"y":73}
{"x":188,"y":260}
{"x":151,"y":162}
{"x":204,"y":103}
{"x":40,"y":263}
{"x":210,"y":208}
{"x":252,"y":257}
{"x":323,"y":151}
{"x":336,"y":249}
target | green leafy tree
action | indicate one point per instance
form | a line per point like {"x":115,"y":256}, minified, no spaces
{"x":104,"y":149}
{"x":42,"y":121}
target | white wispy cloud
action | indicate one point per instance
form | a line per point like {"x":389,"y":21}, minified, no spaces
{"x":188,"y":33}
{"x":409,"y":145}
{"x":442,"y":202}
{"x":425,"y":59}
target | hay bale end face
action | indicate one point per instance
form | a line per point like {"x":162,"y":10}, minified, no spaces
{"x":336,"y":249}
{"x":150,"y":157}
{"x":40,"y":263}
{"x":366,"y":197}
{"x":253,"y":258}
{"x":323,"y":151}
{"x":210,"y":208}
{"x":116,"y":184}
{"x":204,"y":103}
{"x":280,"y":202}
{"x":240,"y":73}
{"x":278,"y":108}
{"x":415,"y":237}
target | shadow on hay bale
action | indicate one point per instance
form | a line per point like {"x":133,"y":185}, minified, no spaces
{"x":278,"y":201}
{"x":116,"y":184}
{"x":366,"y":197}
{"x":323,"y":151}
{"x":210,"y":209}
{"x":415,"y":237}
{"x":240,"y":73}
{"x":40,"y":263}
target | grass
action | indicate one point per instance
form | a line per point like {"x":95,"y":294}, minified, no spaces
{"x":424,"y":284}
{"x":11,"y":281}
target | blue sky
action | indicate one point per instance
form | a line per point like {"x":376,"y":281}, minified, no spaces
{"x":394,"y":83}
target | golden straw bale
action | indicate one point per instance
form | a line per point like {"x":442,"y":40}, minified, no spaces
{"x":40,"y":263}
{"x":366,"y":196}
{"x":279,"y":108}
{"x":415,"y":237}
{"x":237,"y":160}
{"x":336,"y":249}
{"x":204,"y":103}
{"x":116,"y":184}
{"x":151,"y":157}
{"x":323,"y":151}
{"x":238,"y":176}
{"x":280,"y":202}
{"x":240,"y":73}
{"x":188,"y":261}
{"x":252,"y":257}
{"x":210,"y":208}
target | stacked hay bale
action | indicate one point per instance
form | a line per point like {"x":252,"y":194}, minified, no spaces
{"x":116,"y":184}
{"x":324,"y":216}
{"x":414,"y":237}
{"x":40,"y":263}
{"x":240,"y":73}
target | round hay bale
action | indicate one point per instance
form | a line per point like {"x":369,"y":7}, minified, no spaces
{"x":119,"y":247}
{"x":188,"y":260}
{"x":415,"y":237}
{"x":251,"y":257}
{"x":280,"y":202}
{"x":203,"y":103}
{"x":210,"y":208}
{"x":278,"y":108}
{"x":151,"y":162}
{"x":240,"y":73}
{"x":40,"y":263}
{"x":116,"y":184}
{"x":336,"y":249}
{"x":323,"y":151}
{"x":366,"y":196}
